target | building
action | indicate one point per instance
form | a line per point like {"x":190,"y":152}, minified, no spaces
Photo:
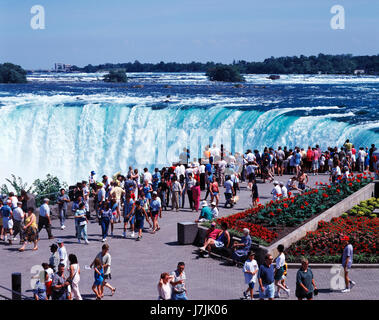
{"x":61,"y":67}
{"x":358,"y":71}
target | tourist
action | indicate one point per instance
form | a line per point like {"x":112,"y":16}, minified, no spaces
{"x":60,"y":284}
{"x":276,"y":191}
{"x":62,"y":252}
{"x":147,"y":190}
{"x":190,"y":182}
{"x":18,"y":222}
{"x":222,"y":240}
{"x":106,"y":259}
{"x":140,"y":215}
{"x":241,"y":248}
{"x":6,"y":213}
{"x":214,"y":210}
{"x":117,"y":193}
{"x":212,"y":233}
{"x":229,"y":192}
{"x":81,"y":222}
{"x":179,"y":291}
{"x":129,"y":207}
{"x":214,"y":190}
{"x":49,"y":273}
{"x":284,"y":191}
{"x":30,"y":233}
{"x":163,"y":190}
{"x":266,"y":279}
{"x":156,"y":179}
{"x":74,"y":277}
{"x":44,"y":218}
{"x":62,"y":201}
{"x":315,"y":161}
{"x":99,"y":278}
{"x":196,"y":194}
{"x":250,"y":270}
{"x":303,"y":180}
{"x":279,"y":271}
{"x":305,"y":283}
{"x":336,"y":171}
{"x":176,"y":192}
{"x":208,"y":182}
{"x":280,"y":156}
{"x":106,"y":215}
{"x":54,"y":259}
{"x":206,"y":212}
{"x":164,"y":287}
{"x":361,"y":159}
{"x":254,"y":193}
{"x":39,"y":291}
{"x":347,"y":261}
{"x":155,"y":211}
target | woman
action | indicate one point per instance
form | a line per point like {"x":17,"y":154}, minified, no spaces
{"x":24,"y":199}
{"x":305,"y":283}
{"x":74,"y":277}
{"x":243,"y":247}
{"x":135,"y":177}
{"x":214,"y":190}
{"x":336,"y":171}
{"x":196,"y":195}
{"x":105,"y":218}
{"x":164,"y":287}
{"x":222,"y":239}
{"x":115,"y":209}
{"x":30,"y":230}
{"x":140,"y":214}
{"x":81,"y":223}
{"x":99,"y":279}
{"x":147,"y":190}
{"x":254,"y":193}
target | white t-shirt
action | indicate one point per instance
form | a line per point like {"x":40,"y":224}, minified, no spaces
{"x":18,"y":214}
{"x":280,"y":261}
{"x":228,"y":185}
{"x":222,"y":165}
{"x":165,"y":291}
{"x":63,"y":255}
{"x":202,"y":168}
{"x":147,"y":176}
{"x":277,"y":190}
{"x":14,"y":201}
{"x":250,"y":266}
{"x":177,"y":171}
{"x":284,"y":192}
{"x":361,"y":155}
{"x":215,"y":212}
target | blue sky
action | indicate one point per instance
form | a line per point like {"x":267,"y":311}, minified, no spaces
{"x":83,"y":31}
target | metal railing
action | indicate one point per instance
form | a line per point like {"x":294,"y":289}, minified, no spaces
{"x":23,"y":297}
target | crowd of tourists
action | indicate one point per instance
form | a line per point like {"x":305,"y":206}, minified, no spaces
{"x":135,"y":198}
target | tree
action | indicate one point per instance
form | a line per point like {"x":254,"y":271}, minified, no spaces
{"x":116,"y":76}
{"x":11,"y":73}
{"x":224,"y":73}
{"x":49,"y":188}
{"x":17,"y":184}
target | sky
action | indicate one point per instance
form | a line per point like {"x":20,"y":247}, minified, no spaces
{"x":82,"y":32}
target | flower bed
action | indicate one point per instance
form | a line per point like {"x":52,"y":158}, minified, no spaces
{"x":324,"y":245}
{"x":265,"y":220}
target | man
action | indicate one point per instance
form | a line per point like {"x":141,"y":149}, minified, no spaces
{"x":222,"y":166}
{"x":176,"y":192}
{"x":303,"y":180}
{"x":147,"y":176}
{"x":266,"y":279}
{"x":60,"y":284}
{"x":280,"y":156}
{"x":117,"y":193}
{"x":276,"y":192}
{"x":315,"y":161}
{"x":18,"y":221}
{"x":229,"y":191}
{"x":101,"y":194}
{"x":62,"y":252}
{"x":284,"y":190}
{"x":250,"y":270}
{"x":179,"y":291}
{"x":105,"y":259}
{"x":156,"y":179}
{"x":54,"y":258}
{"x":63,"y":200}
{"x":129,"y":207}
{"x":44,"y":218}
{"x":214,"y":210}
{"x":347,"y":261}
{"x":163,"y":190}
{"x":206,"y":213}
{"x":361,"y":159}
{"x":190,"y":182}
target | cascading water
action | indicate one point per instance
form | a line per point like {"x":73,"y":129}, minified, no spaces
{"x":69,"y":130}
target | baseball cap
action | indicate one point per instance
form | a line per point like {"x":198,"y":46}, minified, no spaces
{"x":59,"y":241}
{"x":345,"y":238}
{"x":46,"y":199}
{"x":276,"y":182}
{"x":93,"y":173}
{"x":155,"y":193}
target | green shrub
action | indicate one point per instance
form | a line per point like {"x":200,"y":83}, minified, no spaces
{"x":224,"y":73}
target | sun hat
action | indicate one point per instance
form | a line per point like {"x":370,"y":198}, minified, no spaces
{"x":281,"y":183}
{"x":213,"y":203}
{"x":46,"y":199}
{"x":275,"y":182}
{"x":155,"y":193}
{"x":204,"y":203}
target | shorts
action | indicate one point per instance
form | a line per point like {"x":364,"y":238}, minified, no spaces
{"x":280,"y":163}
{"x":154,"y":213}
{"x":98,"y":282}
{"x":132,"y":219}
{"x":251,"y":285}
{"x":279,"y":274}
{"x":214,"y":194}
{"x":315,"y":165}
{"x":301,"y":186}
{"x":269,"y":291}
{"x":302,"y":295}
{"x":7,"y":223}
{"x":139,"y":224}
{"x":107,"y":276}
{"x":219,"y":244}
{"x":251,"y":177}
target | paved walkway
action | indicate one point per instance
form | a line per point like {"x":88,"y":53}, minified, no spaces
{"x":136,"y":266}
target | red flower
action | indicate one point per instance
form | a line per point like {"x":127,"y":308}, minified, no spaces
{"x":289,"y":193}
{"x":306,"y":203}
{"x":302,"y":207}
{"x":338,"y":190}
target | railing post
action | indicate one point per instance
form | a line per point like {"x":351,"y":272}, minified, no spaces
{"x":16,"y":286}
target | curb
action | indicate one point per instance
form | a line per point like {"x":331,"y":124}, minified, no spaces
{"x":330,"y":265}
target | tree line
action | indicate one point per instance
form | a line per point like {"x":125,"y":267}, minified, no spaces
{"x":330,"y":64}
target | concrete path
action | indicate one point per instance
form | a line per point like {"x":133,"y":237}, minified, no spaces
{"x":136,"y":266}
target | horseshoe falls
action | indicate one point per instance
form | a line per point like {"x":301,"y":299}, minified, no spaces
{"x":70,"y":124}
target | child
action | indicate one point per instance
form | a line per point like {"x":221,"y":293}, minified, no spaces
{"x":99,"y":278}
{"x":250,"y":270}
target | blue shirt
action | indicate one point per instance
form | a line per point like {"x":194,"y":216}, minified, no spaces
{"x":266,"y":274}
{"x":347,"y":252}
{"x":6,"y":211}
{"x":44,"y":210}
{"x":128,"y":207}
{"x":156,"y":180}
{"x":208,"y":167}
{"x":155,"y":205}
